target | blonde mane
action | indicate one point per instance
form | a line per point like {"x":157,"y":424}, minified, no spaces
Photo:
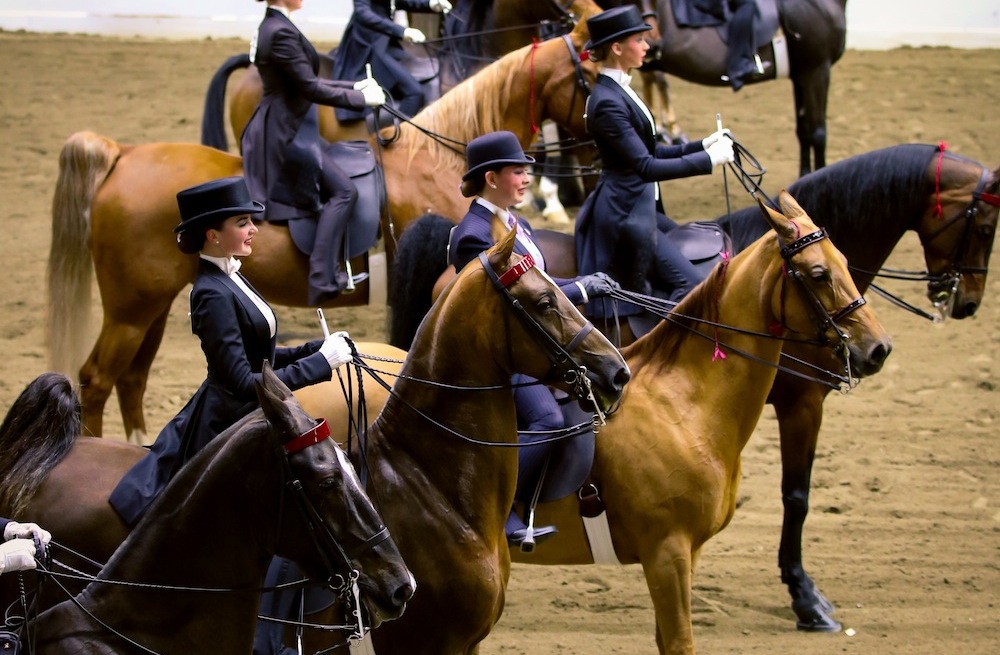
{"x":473,"y":108}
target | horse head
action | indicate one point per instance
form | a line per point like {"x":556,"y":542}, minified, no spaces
{"x":342,"y":537}
{"x":957,"y":233}
{"x":550,"y":340}
{"x":832,"y":309}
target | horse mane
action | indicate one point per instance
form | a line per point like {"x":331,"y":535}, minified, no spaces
{"x":37,"y":433}
{"x":420,"y":260}
{"x":468,"y":110}
{"x":890,"y":183}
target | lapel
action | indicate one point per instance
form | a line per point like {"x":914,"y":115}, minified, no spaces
{"x":306,"y":45}
{"x":487,"y":216}
{"x":250,"y":310}
{"x":639,"y":120}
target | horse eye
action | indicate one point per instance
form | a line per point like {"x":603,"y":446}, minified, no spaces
{"x":328,"y":483}
{"x":986,"y":230}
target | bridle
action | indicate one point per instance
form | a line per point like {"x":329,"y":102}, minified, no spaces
{"x":822,"y":318}
{"x":943,"y":286}
{"x":564,"y":367}
{"x":320,"y":533}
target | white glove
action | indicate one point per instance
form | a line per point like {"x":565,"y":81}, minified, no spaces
{"x":336,"y":350}
{"x":374,"y":95}
{"x":16,"y":530}
{"x":413,"y":35}
{"x":440,"y":6}
{"x":17,"y":555}
{"x":721,"y":152}
{"x":714,"y":137}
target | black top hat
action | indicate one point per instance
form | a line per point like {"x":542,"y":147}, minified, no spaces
{"x":614,"y":24}
{"x":493,"y":150}
{"x":215,"y":200}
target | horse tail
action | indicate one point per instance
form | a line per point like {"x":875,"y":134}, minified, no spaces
{"x":213,"y":128}
{"x":39,"y":429}
{"x":85,"y":162}
{"x":421,"y":257}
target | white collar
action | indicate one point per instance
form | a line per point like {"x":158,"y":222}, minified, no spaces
{"x":228,"y":265}
{"x":618,"y":75}
{"x":283,"y":10}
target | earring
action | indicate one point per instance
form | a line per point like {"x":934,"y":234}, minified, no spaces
{"x":493,"y":186}
{"x":216,"y":242}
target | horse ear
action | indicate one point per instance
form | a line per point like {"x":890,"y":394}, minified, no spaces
{"x":275,"y":399}
{"x":782,"y":225}
{"x":789,"y":206}
{"x":500,"y":253}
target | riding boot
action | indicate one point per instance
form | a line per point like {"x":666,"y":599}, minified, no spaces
{"x":326,"y":276}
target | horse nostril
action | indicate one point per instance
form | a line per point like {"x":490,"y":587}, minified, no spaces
{"x":403,"y":593}
{"x":622,"y":378}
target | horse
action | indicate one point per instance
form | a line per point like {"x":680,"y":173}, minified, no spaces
{"x":667,"y":463}
{"x":115,"y":205}
{"x":441,"y":475}
{"x":273,"y":484}
{"x":866,"y":203}
{"x":815,"y":34}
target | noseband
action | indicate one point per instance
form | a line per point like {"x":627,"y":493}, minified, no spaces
{"x":572,"y":373}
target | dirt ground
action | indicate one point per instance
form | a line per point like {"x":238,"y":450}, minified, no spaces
{"x":904,"y":534}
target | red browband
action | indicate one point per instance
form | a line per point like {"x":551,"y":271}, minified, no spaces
{"x":989,"y":198}
{"x":309,"y":438}
{"x":517,"y":270}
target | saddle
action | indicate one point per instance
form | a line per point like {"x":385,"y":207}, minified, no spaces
{"x":715,"y":13}
{"x":357,"y":160}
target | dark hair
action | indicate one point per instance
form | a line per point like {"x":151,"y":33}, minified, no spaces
{"x":191,"y":242}
{"x":474,"y":185}
{"x":600,"y":53}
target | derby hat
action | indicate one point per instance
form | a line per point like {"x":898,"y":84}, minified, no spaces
{"x":614,"y":24}
{"x":215,"y":200}
{"x":493,"y":150}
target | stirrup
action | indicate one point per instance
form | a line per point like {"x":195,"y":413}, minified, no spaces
{"x":528,"y":545}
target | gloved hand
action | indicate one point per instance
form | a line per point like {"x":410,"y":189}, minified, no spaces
{"x":721,"y":152}
{"x":599,"y":285}
{"x":16,"y":530}
{"x":374,"y":95}
{"x":17,"y":555}
{"x":413,"y":35}
{"x":714,"y":137}
{"x":336,"y":349}
{"x":440,"y":6}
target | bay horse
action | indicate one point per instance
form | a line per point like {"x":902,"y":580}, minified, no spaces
{"x":437,"y":464}
{"x":667,"y":463}
{"x":867,"y":203}
{"x":274,"y":483}
{"x":114,"y":205}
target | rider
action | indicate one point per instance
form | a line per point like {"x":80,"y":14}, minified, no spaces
{"x":497,"y":175}
{"x":283,"y":153}
{"x":21,"y":541}
{"x":620,"y":226}
{"x":373,"y":37}
{"x":741,"y":66}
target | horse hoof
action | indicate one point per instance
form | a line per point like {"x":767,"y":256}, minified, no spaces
{"x":813,"y":618}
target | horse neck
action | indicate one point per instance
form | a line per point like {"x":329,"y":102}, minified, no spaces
{"x":452,"y":346}
{"x":201,"y":542}
{"x":681,"y":367}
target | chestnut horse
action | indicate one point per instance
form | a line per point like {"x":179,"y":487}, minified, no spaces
{"x":115,"y":205}
{"x":214,"y":529}
{"x":866,"y":203}
{"x":668,"y":460}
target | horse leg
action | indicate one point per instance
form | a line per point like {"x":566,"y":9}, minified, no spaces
{"x":131,"y":385}
{"x":668,"y":570}
{"x":811,"y":90}
{"x":116,"y":347}
{"x":800,"y":414}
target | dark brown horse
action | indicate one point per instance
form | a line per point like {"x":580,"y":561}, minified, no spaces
{"x":867,"y":203}
{"x":814,"y":32}
{"x":213,"y":530}
{"x":668,"y":461}
{"x":115,"y":205}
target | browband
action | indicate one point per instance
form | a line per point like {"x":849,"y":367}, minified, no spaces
{"x":309,"y":438}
